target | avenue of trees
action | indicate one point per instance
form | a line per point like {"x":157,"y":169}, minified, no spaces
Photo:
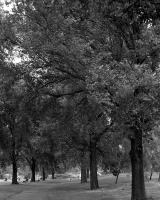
{"x":86,"y":90}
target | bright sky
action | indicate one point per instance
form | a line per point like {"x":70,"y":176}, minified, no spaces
{"x":16,"y":56}
{"x":6,"y":6}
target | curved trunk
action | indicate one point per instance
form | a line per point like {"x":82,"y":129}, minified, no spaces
{"x":136,"y":154}
{"x":83,"y":168}
{"x":33,"y":169}
{"x":93,"y":167}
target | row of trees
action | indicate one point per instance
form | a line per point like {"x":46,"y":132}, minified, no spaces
{"x":87,"y":81}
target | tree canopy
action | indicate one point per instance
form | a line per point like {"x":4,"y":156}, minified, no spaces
{"x":87,"y":83}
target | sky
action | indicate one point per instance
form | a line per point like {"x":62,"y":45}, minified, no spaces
{"x":15,"y":57}
{"x":7,"y":7}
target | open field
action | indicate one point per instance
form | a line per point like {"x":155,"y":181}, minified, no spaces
{"x":65,"y":190}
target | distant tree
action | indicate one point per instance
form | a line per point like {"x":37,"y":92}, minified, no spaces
{"x":13,"y":117}
{"x":85,"y":124}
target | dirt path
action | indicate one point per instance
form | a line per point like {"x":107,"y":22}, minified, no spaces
{"x":49,"y":190}
{"x":65,"y":190}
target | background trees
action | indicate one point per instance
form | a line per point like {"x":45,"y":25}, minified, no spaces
{"x":88,"y":69}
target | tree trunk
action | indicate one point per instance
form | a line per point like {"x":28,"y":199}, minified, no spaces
{"x":43,"y":174}
{"x":13,"y":156}
{"x":53,"y":173}
{"x":117,"y":178}
{"x":93,"y":166}
{"x":33,"y":169}
{"x":64,"y":165}
{"x":14,"y":167}
{"x":53,"y":167}
{"x":83,"y":168}
{"x":87,"y":172}
{"x":136,"y":153}
{"x":150,"y":178}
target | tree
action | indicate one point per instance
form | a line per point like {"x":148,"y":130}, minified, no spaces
{"x":118,"y":20}
{"x":85,"y":124}
{"x":13,"y":118}
{"x":49,"y":151}
{"x":96,"y":25}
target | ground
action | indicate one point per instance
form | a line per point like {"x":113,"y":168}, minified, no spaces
{"x":64,"y":189}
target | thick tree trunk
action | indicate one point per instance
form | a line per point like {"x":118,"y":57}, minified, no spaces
{"x":33,"y":170}
{"x":83,"y":168}
{"x":14,"y":167}
{"x":138,"y":186}
{"x":43,"y":174}
{"x":93,"y":166}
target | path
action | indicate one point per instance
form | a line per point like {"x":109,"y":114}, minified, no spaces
{"x":65,"y":190}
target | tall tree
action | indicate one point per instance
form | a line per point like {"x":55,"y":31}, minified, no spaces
{"x":128,"y":23}
{"x":13,"y":117}
{"x":49,"y":31}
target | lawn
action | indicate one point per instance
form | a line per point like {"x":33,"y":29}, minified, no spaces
{"x":62,"y":189}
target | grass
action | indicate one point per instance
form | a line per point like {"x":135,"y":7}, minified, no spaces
{"x":62,"y":189}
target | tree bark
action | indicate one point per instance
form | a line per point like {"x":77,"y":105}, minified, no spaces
{"x":150,"y":178}
{"x":87,"y":172}
{"x":83,"y":168}
{"x":93,"y":166}
{"x":13,"y":155}
{"x":43,"y":174}
{"x":136,"y":154}
{"x":53,"y":173}
{"x":14,"y":167}
{"x":33,"y":169}
{"x":53,"y":167}
{"x":117,"y":178}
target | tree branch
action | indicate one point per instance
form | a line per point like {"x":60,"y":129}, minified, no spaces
{"x":98,"y":136}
